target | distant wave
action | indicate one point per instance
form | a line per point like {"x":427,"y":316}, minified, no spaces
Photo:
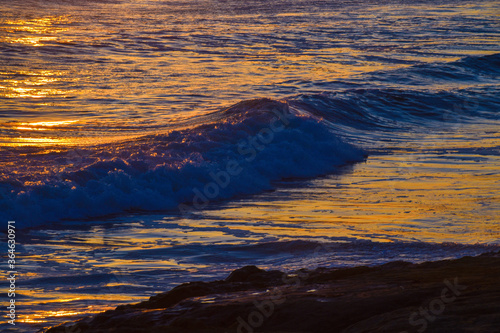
{"x":468,"y":69}
{"x":380,"y":106}
{"x":387,"y":108}
{"x":236,"y":151}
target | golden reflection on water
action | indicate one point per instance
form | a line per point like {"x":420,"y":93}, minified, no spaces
{"x":71,"y":311}
{"x":32,"y":85}
{"x":43,"y":125}
{"x":42,"y":317}
{"x":34,"y":32}
{"x":428,"y":194}
{"x":30,"y":141}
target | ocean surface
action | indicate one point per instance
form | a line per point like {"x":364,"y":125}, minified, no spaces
{"x":147,"y":143}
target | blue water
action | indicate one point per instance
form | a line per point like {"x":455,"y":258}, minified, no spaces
{"x":148,"y":143}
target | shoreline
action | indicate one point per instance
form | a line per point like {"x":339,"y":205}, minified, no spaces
{"x":457,"y":295}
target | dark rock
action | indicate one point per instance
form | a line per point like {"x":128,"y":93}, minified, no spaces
{"x":244,"y":273}
{"x":458,"y":296}
{"x":254,"y":274}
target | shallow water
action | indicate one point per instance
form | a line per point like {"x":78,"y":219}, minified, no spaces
{"x":357,"y":133}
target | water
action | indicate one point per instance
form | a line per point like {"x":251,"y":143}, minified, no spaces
{"x":148,"y":143}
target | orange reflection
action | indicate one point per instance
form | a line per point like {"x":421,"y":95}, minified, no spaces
{"x":43,"y":125}
{"x":30,"y":141}
{"x":34,"y":32}
{"x":32,"y":84}
{"x":421,"y":193}
{"x":40,"y":317}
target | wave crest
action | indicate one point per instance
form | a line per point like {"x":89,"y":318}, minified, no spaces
{"x":237,"y":151}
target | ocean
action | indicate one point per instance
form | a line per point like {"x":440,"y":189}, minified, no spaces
{"x":148,"y":143}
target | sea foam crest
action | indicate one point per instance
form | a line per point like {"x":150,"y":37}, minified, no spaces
{"x":236,"y":151}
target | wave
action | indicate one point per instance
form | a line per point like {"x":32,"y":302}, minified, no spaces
{"x":240,"y":150}
{"x":236,"y":151}
{"x":414,"y":96}
{"x":425,"y":95}
{"x":388,"y":108}
{"x":469,"y":69}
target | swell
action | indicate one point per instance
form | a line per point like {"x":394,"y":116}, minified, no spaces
{"x":240,"y":150}
{"x":401,"y":109}
{"x":421,"y":95}
{"x":468,"y":69}
{"x":236,"y":151}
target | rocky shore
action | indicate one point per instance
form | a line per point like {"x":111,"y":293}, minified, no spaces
{"x":461,"y":295}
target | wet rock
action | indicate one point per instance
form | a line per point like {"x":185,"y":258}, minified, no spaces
{"x":459,"y":295}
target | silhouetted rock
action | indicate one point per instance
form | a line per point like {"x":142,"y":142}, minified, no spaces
{"x":459,"y":295}
{"x":254,"y":274}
